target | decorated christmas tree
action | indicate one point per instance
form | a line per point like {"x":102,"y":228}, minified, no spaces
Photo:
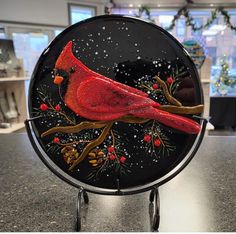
{"x":224,"y":82}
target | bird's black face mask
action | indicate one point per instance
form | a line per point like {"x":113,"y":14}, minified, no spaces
{"x":64,"y":84}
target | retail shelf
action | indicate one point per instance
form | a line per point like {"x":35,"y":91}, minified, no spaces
{"x":6,"y":79}
{"x":13,"y":128}
{"x":205,"y":80}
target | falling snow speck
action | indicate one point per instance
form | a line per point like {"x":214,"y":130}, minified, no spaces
{"x":103,"y":27}
{"x":96,"y":52}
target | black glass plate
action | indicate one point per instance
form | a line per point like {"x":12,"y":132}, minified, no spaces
{"x":115,"y":97}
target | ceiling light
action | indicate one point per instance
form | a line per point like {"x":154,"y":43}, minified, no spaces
{"x":211,"y":5}
{"x":131,"y":5}
{"x":209,"y":33}
{"x":218,"y":27}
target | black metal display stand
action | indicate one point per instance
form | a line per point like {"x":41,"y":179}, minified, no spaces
{"x":154,"y":207}
{"x":154,"y":197}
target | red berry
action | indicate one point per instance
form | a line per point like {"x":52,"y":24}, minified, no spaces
{"x":112,"y":157}
{"x":43,"y":107}
{"x":157,"y":142}
{"x":155,"y":86}
{"x":147,"y":138}
{"x":56,"y":140}
{"x":170,"y":80}
{"x":122,"y":159}
{"x":57,"y":107}
{"x":111,"y":149}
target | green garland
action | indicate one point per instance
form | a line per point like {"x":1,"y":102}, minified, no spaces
{"x":146,"y":10}
{"x":190,"y":21}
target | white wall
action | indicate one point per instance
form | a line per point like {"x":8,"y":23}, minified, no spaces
{"x":52,"y":12}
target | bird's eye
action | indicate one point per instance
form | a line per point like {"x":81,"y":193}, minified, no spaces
{"x":60,"y":72}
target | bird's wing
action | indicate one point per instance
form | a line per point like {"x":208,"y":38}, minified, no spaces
{"x":100,"y":95}
{"x":128,"y":88}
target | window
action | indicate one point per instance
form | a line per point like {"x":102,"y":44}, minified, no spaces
{"x":165,"y":20}
{"x":29,"y":46}
{"x":211,"y":52}
{"x":181,"y":28}
{"x":57,"y":32}
{"x":234,"y":58}
{"x":80,"y":12}
{"x":2,"y":33}
{"x":198,"y":23}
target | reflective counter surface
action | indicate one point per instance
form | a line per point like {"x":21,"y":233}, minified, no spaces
{"x":201,"y":198}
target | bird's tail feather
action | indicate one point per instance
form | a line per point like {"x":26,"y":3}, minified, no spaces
{"x":175,"y":121}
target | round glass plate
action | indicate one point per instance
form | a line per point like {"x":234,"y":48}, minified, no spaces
{"x":115,"y":98}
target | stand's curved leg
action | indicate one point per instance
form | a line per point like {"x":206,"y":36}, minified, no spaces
{"x":78,"y":209}
{"x":156,"y":216}
{"x":151,"y":195}
{"x":81,"y":193}
{"x":86,"y":197}
{"x":155,"y":205}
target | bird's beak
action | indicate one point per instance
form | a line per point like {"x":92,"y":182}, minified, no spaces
{"x":58,"y":76}
{"x":58,"y":80}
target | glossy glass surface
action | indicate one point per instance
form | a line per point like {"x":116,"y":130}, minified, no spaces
{"x":131,"y":52}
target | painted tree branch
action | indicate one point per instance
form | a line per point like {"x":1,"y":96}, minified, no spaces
{"x":93,"y":144}
{"x":91,"y":125}
{"x":75,"y":129}
{"x":182,"y":109}
{"x":169,"y":98}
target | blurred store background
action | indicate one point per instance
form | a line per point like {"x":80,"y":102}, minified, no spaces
{"x":206,"y":28}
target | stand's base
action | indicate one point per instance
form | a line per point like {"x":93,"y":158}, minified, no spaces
{"x":154,"y":206}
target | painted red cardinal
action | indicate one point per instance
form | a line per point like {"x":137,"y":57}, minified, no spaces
{"x":96,"y":97}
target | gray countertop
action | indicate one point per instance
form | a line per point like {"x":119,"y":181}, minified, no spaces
{"x":200,"y":198}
